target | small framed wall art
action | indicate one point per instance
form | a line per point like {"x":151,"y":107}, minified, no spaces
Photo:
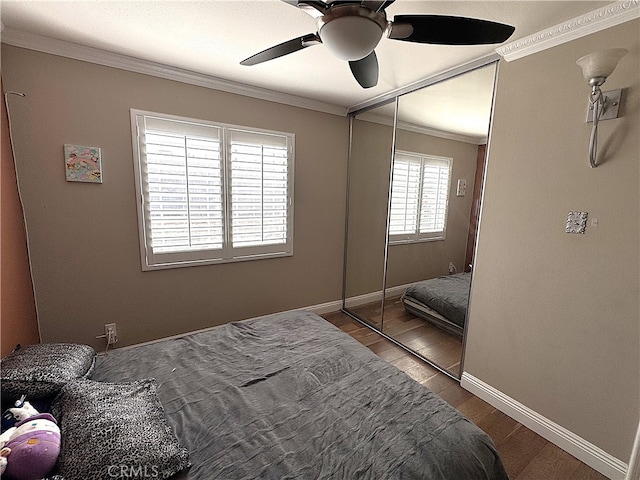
{"x":83,"y":164}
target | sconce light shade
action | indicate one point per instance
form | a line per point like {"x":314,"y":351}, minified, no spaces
{"x":598,"y":66}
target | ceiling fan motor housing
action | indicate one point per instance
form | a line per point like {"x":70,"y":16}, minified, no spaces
{"x":351,"y":32}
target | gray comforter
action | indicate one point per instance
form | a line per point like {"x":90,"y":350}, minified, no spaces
{"x":448,"y":295}
{"x":292,"y":396}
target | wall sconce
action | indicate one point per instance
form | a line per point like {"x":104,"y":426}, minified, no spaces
{"x":596,"y":67}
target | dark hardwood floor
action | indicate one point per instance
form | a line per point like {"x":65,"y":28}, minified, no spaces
{"x":525,"y":454}
{"x":442,"y":348}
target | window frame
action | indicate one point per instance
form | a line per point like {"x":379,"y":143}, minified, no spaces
{"x":416,"y":236}
{"x":208,"y":256}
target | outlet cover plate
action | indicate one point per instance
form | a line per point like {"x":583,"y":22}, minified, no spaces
{"x":112,"y":327}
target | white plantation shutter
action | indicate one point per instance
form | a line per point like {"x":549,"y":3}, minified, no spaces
{"x":202,"y":202}
{"x":405,"y":195}
{"x":184,"y":185}
{"x":259,"y":189}
{"x":419,"y":197}
{"x":435,"y":195}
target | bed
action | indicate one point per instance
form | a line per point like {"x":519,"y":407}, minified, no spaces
{"x":279,"y":397}
{"x":442,"y":301}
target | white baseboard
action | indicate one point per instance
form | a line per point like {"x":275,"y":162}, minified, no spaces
{"x":376,"y":296}
{"x":328,"y":307}
{"x":319,"y":309}
{"x":583,"y":450}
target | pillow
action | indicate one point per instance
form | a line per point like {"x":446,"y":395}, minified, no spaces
{"x":41,"y":370}
{"x":115,"y":430}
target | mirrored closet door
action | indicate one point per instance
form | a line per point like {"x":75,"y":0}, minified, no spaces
{"x":370,"y":156}
{"x":415,"y":185}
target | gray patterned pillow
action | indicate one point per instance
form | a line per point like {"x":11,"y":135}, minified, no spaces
{"x":41,"y":370}
{"x":115,"y":430}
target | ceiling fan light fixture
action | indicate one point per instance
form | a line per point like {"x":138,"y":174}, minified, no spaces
{"x":351,"y":38}
{"x":350,"y":31}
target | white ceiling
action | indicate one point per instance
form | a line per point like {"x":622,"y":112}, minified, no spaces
{"x":460,"y":105}
{"x":212,"y":37}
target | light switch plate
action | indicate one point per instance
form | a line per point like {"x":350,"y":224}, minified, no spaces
{"x":462,"y":188}
{"x":576,"y":222}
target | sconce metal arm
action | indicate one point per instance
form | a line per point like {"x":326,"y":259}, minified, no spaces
{"x":598,"y":100}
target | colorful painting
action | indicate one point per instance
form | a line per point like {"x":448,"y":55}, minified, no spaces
{"x":82,"y":164}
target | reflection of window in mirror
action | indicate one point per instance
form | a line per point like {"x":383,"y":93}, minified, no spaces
{"x":419,"y":197}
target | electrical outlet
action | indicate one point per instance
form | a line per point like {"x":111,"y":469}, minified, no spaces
{"x":111,"y":333}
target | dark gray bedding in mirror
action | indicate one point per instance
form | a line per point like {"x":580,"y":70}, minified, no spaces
{"x":427,"y":188}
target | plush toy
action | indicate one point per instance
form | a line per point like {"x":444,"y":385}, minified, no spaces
{"x":30,"y":449}
{"x":19,"y":412}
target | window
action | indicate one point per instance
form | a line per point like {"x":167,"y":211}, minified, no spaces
{"x":419,"y":197}
{"x":211,"y":193}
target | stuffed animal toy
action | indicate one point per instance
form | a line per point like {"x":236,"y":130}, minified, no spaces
{"x":19,"y":412}
{"x":30,"y":449}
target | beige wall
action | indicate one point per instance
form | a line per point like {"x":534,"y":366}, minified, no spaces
{"x":554,"y":317}
{"x":18,"y":322}
{"x":84,"y":237}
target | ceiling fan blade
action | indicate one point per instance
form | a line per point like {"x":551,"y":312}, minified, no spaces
{"x":376,"y":5}
{"x":445,"y":30}
{"x":312,"y":7}
{"x":284,"y":48}
{"x":365,"y":70}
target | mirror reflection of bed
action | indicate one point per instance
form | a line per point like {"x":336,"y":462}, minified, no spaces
{"x":441,"y":301}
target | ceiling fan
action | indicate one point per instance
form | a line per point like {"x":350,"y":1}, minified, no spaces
{"x":351,"y":29}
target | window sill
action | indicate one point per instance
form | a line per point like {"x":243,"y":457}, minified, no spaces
{"x":219,"y":261}
{"x":422,"y":240}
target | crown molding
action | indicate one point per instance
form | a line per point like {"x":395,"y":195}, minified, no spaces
{"x":592,"y":22}
{"x":458,"y":137}
{"x":433,"y":132}
{"x":115,"y":60}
